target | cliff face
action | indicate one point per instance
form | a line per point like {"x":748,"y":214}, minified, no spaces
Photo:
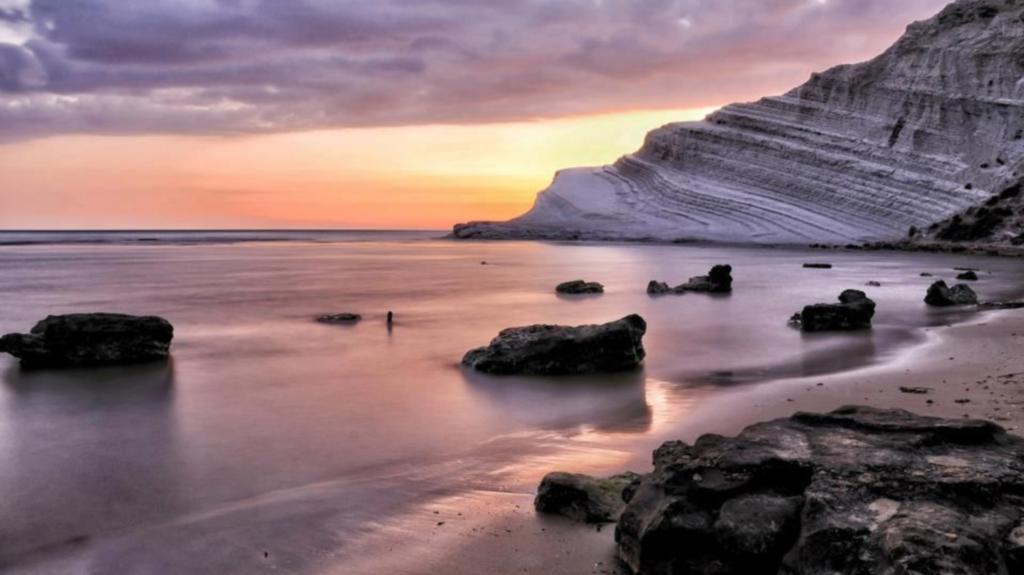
{"x":861,"y":152}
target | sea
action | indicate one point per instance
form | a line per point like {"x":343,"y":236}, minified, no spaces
{"x":273,"y":443}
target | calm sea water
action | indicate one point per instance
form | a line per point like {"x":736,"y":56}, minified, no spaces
{"x":268,"y":431}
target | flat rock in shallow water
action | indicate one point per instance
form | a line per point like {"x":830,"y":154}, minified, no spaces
{"x":91,"y":339}
{"x":853,"y":312}
{"x":562,"y":350}
{"x":582,"y":497}
{"x":579,"y":287}
{"x":941,"y":295}
{"x":856,"y":491}
{"x":340,"y":318}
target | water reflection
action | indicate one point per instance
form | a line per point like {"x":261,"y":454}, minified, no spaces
{"x":613,"y":403}
{"x":826,"y":353}
{"x":113,"y":453}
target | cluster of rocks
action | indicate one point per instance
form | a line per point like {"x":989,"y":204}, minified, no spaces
{"x":90,"y":339}
{"x":718,"y":280}
{"x":563,"y":350}
{"x":579,"y":287}
{"x":853,"y":312}
{"x":857,"y":490}
{"x":941,"y":295}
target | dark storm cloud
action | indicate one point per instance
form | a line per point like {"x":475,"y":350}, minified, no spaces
{"x":242,"y":66}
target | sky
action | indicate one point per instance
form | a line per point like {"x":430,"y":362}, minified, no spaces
{"x":372,"y":114}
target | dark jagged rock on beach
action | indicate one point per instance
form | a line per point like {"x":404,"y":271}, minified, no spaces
{"x":89,"y":339}
{"x":563,"y":350}
{"x":340,"y":318}
{"x":718,"y":280}
{"x":584,"y":498}
{"x":853,"y":312}
{"x":941,"y":295}
{"x":856,"y":491}
{"x":579,"y":287}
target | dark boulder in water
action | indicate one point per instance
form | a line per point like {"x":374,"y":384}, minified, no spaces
{"x":579,"y":287}
{"x":341,"y":318}
{"x":91,"y":339}
{"x":968,"y":276}
{"x":584,"y":498}
{"x":853,"y":312}
{"x":718,"y":280}
{"x":818,"y":266}
{"x":858,"y":490}
{"x":563,"y":350}
{"x":941,"y":295}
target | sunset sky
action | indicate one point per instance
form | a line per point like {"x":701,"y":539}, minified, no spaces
{"x":372,"y":114}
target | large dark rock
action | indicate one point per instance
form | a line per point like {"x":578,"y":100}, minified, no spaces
{"x":579,"y":287}
{"x":941,"y":295}
{"x":91,"y":339}
{"x":853,"y":312}
{"x":858,"y":491}
{"x":562,"y":350}
{"x":718,"y":280}
{"x":584,"y":498}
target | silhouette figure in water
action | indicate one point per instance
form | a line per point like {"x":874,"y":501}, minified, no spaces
{"x":391,"y":319}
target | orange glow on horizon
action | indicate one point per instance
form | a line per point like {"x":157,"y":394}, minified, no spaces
{"x":426,"y":177}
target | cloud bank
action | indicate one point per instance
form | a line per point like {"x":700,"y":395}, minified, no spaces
{"x":253,"y":66}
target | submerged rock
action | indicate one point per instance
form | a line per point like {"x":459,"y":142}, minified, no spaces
{"x":584,"y":498}
{"x":718,"y":280}
{"x":859,"y":490}
{"x":853,"y":312}
{"x":941,"y":295}
{"x":968,"y":276}
{"x":579,"y":287}
{"x":91,"y":339}
{"x":563,"y":350}
{"x":818,"y":266}
{"x":340,"y":318}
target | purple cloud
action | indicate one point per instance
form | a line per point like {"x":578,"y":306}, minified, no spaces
{"x":250,"y":66}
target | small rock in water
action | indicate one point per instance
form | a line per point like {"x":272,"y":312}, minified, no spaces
{"x":916,"y":390}
{"x":853,"y":312}
{"x":968,"y":276}
{"x":563,"y":350}
{"x":339,"y":318}
{"x":941,"y":295}
{"x":926,"y":275}
{"x":818,"y":266}
{"x":578,"y":287}
{"x":718,"y":280}
{"x":874,"y":284}
{"x":89,"y":339}
{"x":585,"y":498}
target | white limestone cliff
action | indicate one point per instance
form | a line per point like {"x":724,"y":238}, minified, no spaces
{"x":859,"y":153}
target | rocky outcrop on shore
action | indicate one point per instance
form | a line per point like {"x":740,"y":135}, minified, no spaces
{"x":941,"y":295}
{"x":579,"y":287}
{"x":869,"y":152}
{"x":563,"y":350}
{"x":853,"y":312}
{"x":718,"y":280}
{"x":856,"y":491}
{"x":90,"y":339}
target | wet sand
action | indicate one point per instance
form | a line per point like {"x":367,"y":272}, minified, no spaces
{"x":971,"y":370}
